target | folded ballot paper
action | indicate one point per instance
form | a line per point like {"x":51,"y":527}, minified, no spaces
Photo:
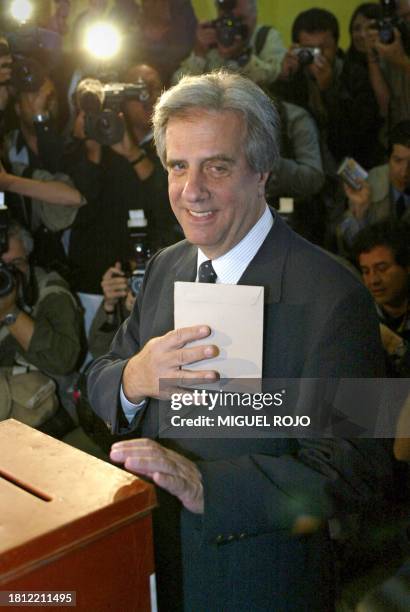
{"x":235,"y":315}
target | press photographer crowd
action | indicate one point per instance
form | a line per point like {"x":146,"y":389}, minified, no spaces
{"x":84,"y":201}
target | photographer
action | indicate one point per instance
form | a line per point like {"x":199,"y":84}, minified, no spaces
{"x":393,"y":54}
{"x":116,"y":179}
{"x":235,"y":42}
{"x":40,"y":322}
{"x":310,"y":73}
{"x":116,"y":306}
{"x":34,"y":150}
{"x":384,"y":195}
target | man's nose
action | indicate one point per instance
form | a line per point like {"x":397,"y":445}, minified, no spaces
{"x":373,"y":277}
{"x":195,"y":186}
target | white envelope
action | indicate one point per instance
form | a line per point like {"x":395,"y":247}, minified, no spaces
{"x":235,"y":315}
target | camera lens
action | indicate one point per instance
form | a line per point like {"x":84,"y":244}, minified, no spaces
{"x":305,"y":57}
{"x":7,"y":280}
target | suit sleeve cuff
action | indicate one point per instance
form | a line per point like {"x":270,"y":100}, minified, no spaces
{"x":129,"y":409}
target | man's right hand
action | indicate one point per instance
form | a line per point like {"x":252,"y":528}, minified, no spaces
{"x":114,"y":286}
{"x":290,"y":63}
{"x":205,"y":39}
{"x":165,"y":358}
{"x":359,"y":199}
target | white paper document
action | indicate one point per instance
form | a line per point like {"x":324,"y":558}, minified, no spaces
{"x":235,"y":315}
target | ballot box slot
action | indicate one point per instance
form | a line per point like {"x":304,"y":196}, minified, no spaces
{"x":24,"y":486}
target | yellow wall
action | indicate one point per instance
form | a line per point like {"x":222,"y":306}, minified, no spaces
{"x":279,"y":13}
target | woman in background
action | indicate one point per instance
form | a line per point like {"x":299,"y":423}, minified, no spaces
{"x":365,"y":95}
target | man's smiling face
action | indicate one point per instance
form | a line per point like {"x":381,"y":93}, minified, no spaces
{"x":215,"y":195}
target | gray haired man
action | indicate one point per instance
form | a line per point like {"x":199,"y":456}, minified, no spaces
{"x":230,"y":509}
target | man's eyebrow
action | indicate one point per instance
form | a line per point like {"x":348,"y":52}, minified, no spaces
{"x":217,"y":157}
{"x":221,"y":157}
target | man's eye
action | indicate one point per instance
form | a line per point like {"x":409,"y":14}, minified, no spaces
{"x":177,"y":167}
{"x":217,"y":169}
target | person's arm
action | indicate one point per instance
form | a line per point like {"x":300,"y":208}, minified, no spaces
{"x":301,"y":176}
{"x":52,"y":192}
{"x":55,"y":343}
{"x":323,"y":478}
{"x":380,"y":88}
{"x":108,"y":317}
{"x":23,"y":327}
{"x":394,"y":53}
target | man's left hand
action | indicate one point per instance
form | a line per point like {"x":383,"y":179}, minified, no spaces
{"x":322,"y":71}
{"x":169,"y":470}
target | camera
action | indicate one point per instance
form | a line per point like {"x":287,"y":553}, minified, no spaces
{"x":27,"y":75}
{"x":306,"y":55}
{"x":139,"y":248}
{"x":135,"y":280}
{"x":8,"y":274}
{"x":102,"y":121}
{"x":389,"y":22}
{"x":228,"y":26}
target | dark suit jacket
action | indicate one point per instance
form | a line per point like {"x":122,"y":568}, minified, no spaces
{"x":319,"y":323}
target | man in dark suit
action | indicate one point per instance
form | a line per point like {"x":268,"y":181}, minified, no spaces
{"x":242,"y":522}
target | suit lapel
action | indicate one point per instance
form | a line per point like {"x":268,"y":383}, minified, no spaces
{"x":184,"y":269}
{"x":267,"y":267}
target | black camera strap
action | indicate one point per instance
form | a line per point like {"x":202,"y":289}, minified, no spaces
{"x":261,"y":38}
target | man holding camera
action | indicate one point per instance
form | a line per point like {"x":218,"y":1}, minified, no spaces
{"x":234,"y":41}
{"x":117,"y":177}
{"x":40,"y":332}
{"x":385,"y":194}
{"x":34,"y":150}
{"x":311,"y":71}
{"x":391,"y":43}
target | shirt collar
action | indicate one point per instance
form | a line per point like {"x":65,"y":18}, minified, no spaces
{"x":230,"y":266}
{"x":397,"y":194}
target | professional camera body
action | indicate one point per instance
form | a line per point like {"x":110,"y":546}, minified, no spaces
{"x":389,"y":22}
{"x":27,"y":73}
{"x":306,"y":55}
{"x":102,"y":121}
{"x":8,"y":273}
{"x":139,"y":250}
{"x":228,"y":26}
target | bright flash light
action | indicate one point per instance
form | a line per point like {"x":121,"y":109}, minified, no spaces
{"x":103,"y":41}
{"x":21,"y":10}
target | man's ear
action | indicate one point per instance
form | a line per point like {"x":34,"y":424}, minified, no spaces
{"x":263,"y":177}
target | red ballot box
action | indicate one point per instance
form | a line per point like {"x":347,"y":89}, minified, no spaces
{"x":70,"y":522}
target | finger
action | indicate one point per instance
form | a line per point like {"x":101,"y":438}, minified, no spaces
{"x":179,"y":337}
{"x":198,"y":375}
{"x":184,"y":356}
{"x":152,"y":457}
{"x":175,"y":485}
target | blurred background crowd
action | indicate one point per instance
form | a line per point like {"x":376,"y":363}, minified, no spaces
{"x":85,"y":196}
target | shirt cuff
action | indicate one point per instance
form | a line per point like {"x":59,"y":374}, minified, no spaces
{"x":129,"y":409}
